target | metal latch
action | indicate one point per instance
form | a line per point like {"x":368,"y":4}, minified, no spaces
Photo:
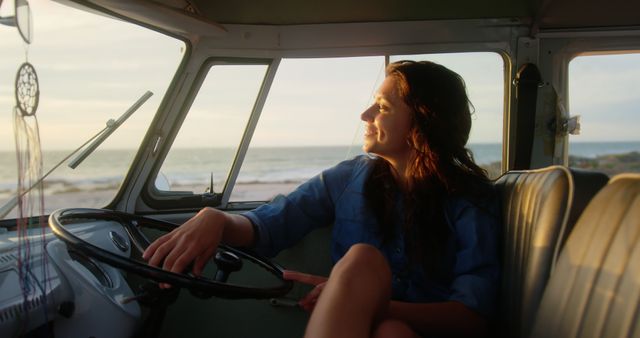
{"x":571,"y":125}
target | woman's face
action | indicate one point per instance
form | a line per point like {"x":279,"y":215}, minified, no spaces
{"x":387,"y":123}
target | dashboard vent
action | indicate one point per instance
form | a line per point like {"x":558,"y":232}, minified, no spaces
{"x":18,"y":311}
{"x":7,"y":258}
{"x":8,"y":261}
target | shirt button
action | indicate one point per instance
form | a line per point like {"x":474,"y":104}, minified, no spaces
{"x":398,"y":251}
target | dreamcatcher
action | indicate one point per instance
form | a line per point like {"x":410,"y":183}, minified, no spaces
{"x":30,"y":223}
{"x":31,"y":229}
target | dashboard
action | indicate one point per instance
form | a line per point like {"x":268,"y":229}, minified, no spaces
{"x":43,"y":282}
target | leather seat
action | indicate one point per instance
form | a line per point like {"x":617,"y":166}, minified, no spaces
{"x":594,"y":291}
{"x":586,"y":184}
{"x":538,"y":208}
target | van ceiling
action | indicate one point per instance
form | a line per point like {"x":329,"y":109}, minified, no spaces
{"x":546,"y":14}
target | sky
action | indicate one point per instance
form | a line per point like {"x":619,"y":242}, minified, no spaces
{"x":92,"y":68}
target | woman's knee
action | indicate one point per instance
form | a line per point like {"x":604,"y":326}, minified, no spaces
{"x":364,"y":264}
{"x":366,"y":254}
{"x":393,"y":328}
{"x":364,"y":259}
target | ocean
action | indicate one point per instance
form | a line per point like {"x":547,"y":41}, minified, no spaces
{"x":105,"y":169}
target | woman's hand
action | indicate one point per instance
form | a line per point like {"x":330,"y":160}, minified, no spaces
{"x":194,"y":241}
{"x":308,"y":302}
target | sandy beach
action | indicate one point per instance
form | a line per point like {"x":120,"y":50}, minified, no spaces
{"x":100,"y":198}
{"x":59,"y":196}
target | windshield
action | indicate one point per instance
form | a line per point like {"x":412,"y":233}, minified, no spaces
{"x":91,"y":69}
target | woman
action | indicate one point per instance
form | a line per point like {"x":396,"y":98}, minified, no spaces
{"x":415,"y":228}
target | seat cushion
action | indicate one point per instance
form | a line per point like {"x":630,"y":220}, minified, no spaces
{"x":594,"y":291}
{"x":535,"y":207}
{"x":586,"y":183}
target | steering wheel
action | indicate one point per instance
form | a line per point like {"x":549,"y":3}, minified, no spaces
{"x":229,"y":259}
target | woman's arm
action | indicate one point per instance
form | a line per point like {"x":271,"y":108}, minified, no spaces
{"x":197,"y":239}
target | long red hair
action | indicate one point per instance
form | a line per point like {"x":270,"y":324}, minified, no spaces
{"x":440,"y":164}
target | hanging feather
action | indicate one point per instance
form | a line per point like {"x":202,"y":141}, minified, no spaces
{"x":31,"y":223}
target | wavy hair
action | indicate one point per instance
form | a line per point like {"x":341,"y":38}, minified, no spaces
{"x":440,"y":165}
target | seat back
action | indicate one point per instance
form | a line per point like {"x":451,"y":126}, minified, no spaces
{"x":586,"y":184}
{"x":535,"y":210}
{"x":594,"y":291}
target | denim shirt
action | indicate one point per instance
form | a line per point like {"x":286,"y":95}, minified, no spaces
{"x":336,"y":197}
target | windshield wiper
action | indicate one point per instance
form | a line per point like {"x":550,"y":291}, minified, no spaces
{"x":92,"y":143}
{"x":112,"y":125}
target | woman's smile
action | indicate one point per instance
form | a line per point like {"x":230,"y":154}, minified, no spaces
{"x":370,"y":130}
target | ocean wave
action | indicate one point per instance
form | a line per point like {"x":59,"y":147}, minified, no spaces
{"x":297,"y":166}
{"x":61,"y":186}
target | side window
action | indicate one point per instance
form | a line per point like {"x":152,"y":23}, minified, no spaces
{"x":483,"y":73}
{"x":603,"y":90}
{"x":206,"y":144}
{"x":310,"y":122}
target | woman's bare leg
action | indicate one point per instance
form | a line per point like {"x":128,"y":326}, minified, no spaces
{"x":393,"y":328}
{"x":357,"y":293}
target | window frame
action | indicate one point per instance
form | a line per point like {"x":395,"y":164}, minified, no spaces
{"x":559,"y":48}
{"x":174,"y":200}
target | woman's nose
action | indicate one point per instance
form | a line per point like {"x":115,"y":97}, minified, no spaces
{"x":368,"y":114}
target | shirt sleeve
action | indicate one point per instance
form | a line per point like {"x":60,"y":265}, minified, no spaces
{"x":284,"y":221}
{"x":477,"y":269}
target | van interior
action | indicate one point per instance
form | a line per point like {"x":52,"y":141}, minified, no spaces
{"x":228,"y":104}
